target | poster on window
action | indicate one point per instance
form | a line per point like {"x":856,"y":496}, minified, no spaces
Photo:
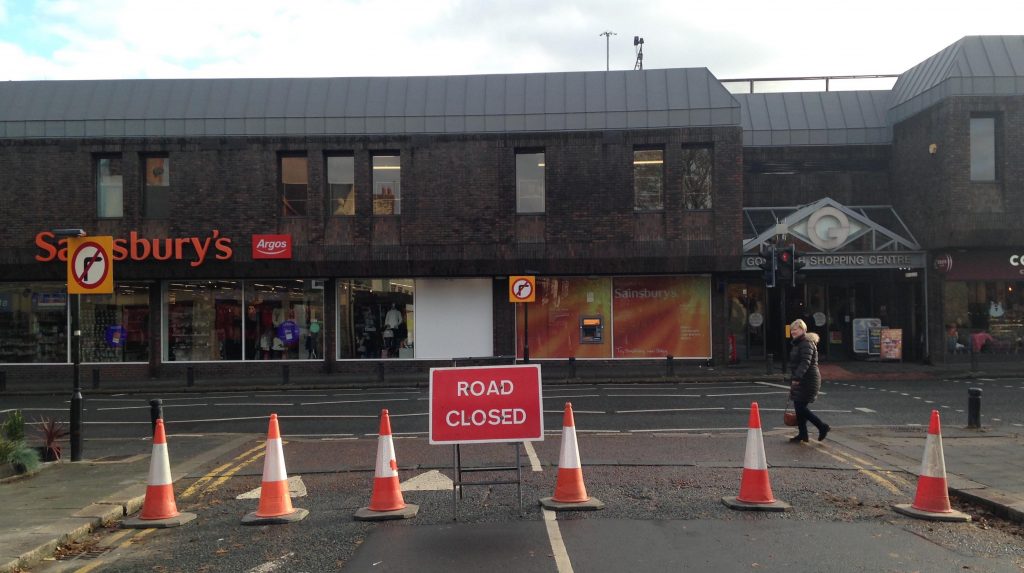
{"x":660,"y":316}
{"x":565,"y":318}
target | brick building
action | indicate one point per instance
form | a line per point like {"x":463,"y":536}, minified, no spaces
{"x":367,"y":225}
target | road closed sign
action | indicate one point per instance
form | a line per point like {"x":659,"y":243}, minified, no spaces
{"x":486,"y":404}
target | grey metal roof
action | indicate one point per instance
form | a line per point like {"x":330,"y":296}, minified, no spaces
{"x":815,"y":118}
{"x":973,"y":65}
{"x":685,"y":97}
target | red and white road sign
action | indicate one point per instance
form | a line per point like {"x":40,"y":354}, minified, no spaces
{"x":90,"y":265}
{"x":486,"y":404}
{"x":522,"y":288}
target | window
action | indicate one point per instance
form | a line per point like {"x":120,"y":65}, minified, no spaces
{"x":983,"y":149}
{"x":375,"y":318}
{"x":530,"y":182}
{"x":115,"y":327}
{"x":156,"y":188}
{"x":697,"y":167}
{"x":648,"y":179}
{"x":294,"y":186}
{"x":387,"y":184}
{"x":33,"y":322}
{"x":109,"y":187}
{"x":341,"y":183}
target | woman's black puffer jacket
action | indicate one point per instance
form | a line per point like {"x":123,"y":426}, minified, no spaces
{"x":803,"y":363}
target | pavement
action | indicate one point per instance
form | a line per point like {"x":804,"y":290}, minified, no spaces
{"x":65,"y":501}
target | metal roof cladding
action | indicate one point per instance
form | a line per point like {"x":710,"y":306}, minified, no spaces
{"x":815,"y":118}
{"x":630,"y":99}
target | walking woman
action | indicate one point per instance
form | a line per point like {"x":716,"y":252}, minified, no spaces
{"x":805,"y":379}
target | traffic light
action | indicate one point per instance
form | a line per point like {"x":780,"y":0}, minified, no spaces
{"x":785,"y":264}
{"x":768,"y":265}
{"x":798,"y":265}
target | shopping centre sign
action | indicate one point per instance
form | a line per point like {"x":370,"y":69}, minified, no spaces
{"x":849,"y":260}
{"x":486,"y":404}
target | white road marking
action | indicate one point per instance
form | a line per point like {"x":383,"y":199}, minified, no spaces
{"x":929,"y":402}
{"x":573,"y":396}
{"x":654,"y":395}
{"x":255,"y":404}
{"x":532,"y":454}
{"x":296,"y":488}
{"x":743,"y":394}
{"x":904,"y":394}
{"x":575,"y":411}
{"x":321,"y":436}
{"x":866,"y":410}
{"x":273,"y":565}
{"x":917,"y":397}
{"x":665,"y":410}
{"x":562,"y":564}
{"x":774,"y":385}
{"x":944,"y":406}
{"x":997,"y":420}
{"x":147,"y":407}
{"x":354,"y":401}
{"x":687,"y":430}
{"x":292,"y":395}
{"x":1019,"y":425}
{"x":432,"y":480}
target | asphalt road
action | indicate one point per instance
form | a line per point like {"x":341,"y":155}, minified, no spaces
{"x":660,"y":456}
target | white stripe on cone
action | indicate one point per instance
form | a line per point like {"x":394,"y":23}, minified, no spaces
{"x":273,"y":462}
{"x":159,"y":466}
{"x":569,"y":456}
{"x":934,"y":462}
{"x":387,"y":466}
{"x":755,"y":459}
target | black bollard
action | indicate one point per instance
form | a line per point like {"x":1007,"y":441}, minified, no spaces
{"x":76,"y":425}
{"x":572,"y":367}
{"x":95,"y":378}
{"x":285,"y":374}
{"x":974,"y":408}
{"x":670,"y":366}
{"x":156,"y":412}
{"x":768,"y":363}
{"x":190,"y":377}
{"x":3,"y":381}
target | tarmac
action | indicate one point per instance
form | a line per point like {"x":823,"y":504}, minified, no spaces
{"x":65,"y":501}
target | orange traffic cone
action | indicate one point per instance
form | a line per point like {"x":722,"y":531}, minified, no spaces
{"x":570,"y":493}
{"x":386,"y":501}
{"x":158,"y":507}
{"x":275,"y":501}
{"x":932,"y":498}
{"x":755,"y":488}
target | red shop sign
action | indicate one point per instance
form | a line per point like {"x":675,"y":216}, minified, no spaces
{"x":486,"y":404}
{"x":271,"y":246}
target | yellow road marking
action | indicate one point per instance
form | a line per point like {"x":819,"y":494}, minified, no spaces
{"x":212,"y":474}
{"x":112,"y":539}
{"x":132,"y":534}
{"x":874,"y":476}
{"x":227,"y":475}
{"x":889,"y":474}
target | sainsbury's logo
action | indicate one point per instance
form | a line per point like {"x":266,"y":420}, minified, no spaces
{"x":271,"y":246}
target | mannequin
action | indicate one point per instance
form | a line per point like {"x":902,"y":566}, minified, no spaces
{"x":392,"y":320}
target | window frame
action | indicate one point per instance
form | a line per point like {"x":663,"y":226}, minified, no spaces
{"x":332,"y":208}
{"x":146,"y":186}
{"x":101,"y":206}
{"x":381,"y":200}
{"x":521,"y":180}
{"x":995,"y":148}
{"x":643,"y":169}
{"x":283,"y":194}
{"x":709,"y":192}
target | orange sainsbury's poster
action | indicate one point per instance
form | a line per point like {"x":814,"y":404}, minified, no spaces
{"x":557,"y":315}
{"x":662,"y":316}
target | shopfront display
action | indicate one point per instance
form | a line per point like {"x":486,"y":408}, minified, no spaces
{"x":33,"y":323}
{"x":375,"y":318}
{"x":283,"y":320}
{"x":115,"y":327}
{"x":982,"y":301}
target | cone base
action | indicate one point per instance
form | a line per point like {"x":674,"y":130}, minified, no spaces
{"x":138,"y":523}
{"x":735,"y":503}
{"x":591,"y":504}
{"x":298,"y":514}
{"x":952,"y":516}
{"x":366,"y":514}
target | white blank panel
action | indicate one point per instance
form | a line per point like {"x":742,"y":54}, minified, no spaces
{"x":454,"y":318}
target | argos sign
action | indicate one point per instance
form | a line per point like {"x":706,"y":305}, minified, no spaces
{"x":271,"y":246}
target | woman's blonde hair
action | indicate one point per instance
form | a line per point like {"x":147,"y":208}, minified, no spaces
{"x":799,"y":323}
{"x":812,"y":337}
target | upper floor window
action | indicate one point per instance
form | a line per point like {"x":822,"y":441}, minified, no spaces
{"x":387,"y":184}
{"x":983,"y":149}
{"x":156,"y":190}
{"x":530,"y":182}
{"x":648,"y":179}
{"x":341,"y":180}
{"x":294,"y":186}
{"x":697,"y":171}
{"x":109,"y":187}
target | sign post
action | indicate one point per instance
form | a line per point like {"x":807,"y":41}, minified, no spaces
{"x":523,"y":289}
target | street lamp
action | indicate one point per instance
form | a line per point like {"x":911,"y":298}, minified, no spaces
{"x":76,"y":357}
{"x":526,"y":322}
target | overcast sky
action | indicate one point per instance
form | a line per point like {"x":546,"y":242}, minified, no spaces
{"x":101,"y":39}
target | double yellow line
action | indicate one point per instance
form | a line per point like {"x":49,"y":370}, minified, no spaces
{"x":116,"y":541}
{"x":889,"y":481}
{"x":217,"y":476}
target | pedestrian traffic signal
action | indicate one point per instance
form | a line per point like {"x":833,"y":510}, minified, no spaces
{"x":785,"y":264}
{"x":798,"y":265}
{"x":768,"y":265}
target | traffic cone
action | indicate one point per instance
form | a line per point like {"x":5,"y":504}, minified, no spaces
{"x":932,"y":498}
{"x":158,"y":507}
{"x":755,"y":488}
{"x":386,"y":501}
{"x":570,"y":493}
{"x":275,"y":502}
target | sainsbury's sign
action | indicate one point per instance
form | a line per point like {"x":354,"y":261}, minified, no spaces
{"x":196,"y":250}
{"x":271,"y":246}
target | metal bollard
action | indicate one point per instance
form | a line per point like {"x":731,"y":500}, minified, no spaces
{"x":95,"y":378}
{"x":3,"y":381}
{"x":670,"y":366}
{"x":768,"y":363}
{"x":190,"y":376}
{"x":572,"y":367}
{"x":156,"y":412}
{"x":974,"y":408}
{"x":285,"y":374}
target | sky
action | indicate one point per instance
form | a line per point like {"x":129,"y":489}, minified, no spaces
{"x":144,"y":39}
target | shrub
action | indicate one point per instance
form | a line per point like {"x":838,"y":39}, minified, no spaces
{"x":13,"y":428}
{"x":25,"y":459}
{"x":52,"y":431}
{"x":7,"y":449}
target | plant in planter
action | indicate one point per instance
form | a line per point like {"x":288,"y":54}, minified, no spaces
{"x":13,"y":451}
{"x":52,"y":431}
{"x":13,"y":428}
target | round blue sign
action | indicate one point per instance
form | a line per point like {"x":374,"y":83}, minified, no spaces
{"x":115,"y":335}
{"x":288,"y":333}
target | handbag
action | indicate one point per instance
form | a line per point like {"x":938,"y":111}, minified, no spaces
{"x":789,"y":416}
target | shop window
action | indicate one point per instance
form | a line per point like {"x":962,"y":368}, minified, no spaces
{"x":387,"y":184}
{"x":284,"y":320}
{"x":294,"y":186}
{"x":530,"y":182}
{"x":33,"y":323}
{"x":157,"y":188}
{"x":984,"y":316}
{"x":342,"y":184}
{"x":115,"y":327}
{"x":983,"y":149}
{"x":375,"y":318}
{"x":648,"y":179}
{"x":204,"y":321}
{"x":697,"y":171}
{"x":109,"y":187}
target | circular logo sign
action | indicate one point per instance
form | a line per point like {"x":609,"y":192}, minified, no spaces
{"x":819,"y":319}
{"x":756,"y":319}
{"x":828,"y":228}
{"x":944,"y":263}
{"x":90,"y":265}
